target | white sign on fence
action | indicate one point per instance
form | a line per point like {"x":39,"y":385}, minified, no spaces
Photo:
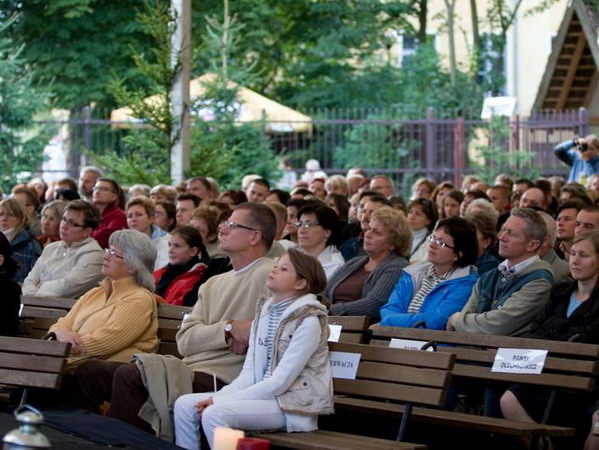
{"x":519,"y":360}
{"x":344,"y":364}
{"x":498,"y":106}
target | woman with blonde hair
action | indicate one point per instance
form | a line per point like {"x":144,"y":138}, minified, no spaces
{"x":14,"y":223}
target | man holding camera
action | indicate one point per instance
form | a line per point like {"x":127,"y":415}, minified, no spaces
{"x":582,"y":154}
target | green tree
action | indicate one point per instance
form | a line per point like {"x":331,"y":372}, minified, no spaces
{"x":21,"y":141}
{"x":76,"y":45}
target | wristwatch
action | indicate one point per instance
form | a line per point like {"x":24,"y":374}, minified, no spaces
{"x":228,"y":329}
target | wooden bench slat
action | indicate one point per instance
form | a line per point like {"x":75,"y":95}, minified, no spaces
{"x":432,"y":360}
{"x":167,"y":311}
{"x":48,"y":302}
{"x":169,"y":348}
{"x":167,"y":334}
{"x":31,"y":362}
{"x":485,"y":340}
{"x":318,"y":440}
{"x":409,"y":375}
{"x":351,"y":338}
{"x":169,"y":323}
{"x":30,"y":378}
{"x":350,"y":323}
{"x":390,"y":391}
{"x":455,"y":419}
{"x":35,"y":312}
{"x":544,"y":379}
{"x":34,"y":346}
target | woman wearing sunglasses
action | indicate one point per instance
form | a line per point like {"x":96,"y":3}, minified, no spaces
{"x":431,"y":291}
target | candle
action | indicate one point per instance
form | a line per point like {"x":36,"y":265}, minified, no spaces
{"x":226,"y":438}
{"x":253,"y":444}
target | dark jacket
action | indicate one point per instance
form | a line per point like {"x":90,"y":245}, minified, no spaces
{"x":25,"y":251}
{"x":552,"y":323}
{"x":376,"y":289}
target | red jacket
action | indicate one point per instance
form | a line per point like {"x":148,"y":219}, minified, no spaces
{"x":113,"y":219}
{"x":182,"y":284}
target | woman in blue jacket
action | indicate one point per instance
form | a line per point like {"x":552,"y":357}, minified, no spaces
{"x":433,"y":290}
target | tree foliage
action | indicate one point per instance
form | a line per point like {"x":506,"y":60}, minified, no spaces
{"x":21,"y":142}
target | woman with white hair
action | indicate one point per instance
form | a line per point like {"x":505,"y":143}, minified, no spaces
{"x":119,"y":318}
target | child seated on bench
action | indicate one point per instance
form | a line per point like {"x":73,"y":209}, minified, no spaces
{"x":286,"y":380}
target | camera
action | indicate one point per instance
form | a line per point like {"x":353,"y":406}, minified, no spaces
{"x":582,"y":147}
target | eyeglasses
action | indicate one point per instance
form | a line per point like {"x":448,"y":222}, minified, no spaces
{"x":72,"y":224}
{"x":306,"y":225}
{"x":439,"y":242}
{"x":112,"y":252}
{"x":232,"y":225}
{"x":103,"y":189}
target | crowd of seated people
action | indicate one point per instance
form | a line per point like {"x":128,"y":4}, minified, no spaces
{"x":516,"y":258}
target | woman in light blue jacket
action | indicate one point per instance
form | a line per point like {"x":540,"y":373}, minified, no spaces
{"x":431,"y":291}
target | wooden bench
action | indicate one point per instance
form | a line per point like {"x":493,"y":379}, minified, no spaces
{"x":384,"y":374}
{"x":169,"y":322}
{"x":568,"y":365}
{"x":31,"y":363}
{"x":353,"y":328}
{"x":40,"y":313}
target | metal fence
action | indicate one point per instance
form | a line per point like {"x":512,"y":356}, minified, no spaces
{"x":403,"y":143}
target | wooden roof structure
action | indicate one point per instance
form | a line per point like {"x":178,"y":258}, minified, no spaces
{"x":572,"y":74}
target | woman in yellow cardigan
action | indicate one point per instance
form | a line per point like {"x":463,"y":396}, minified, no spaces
{"x":118,"y":318}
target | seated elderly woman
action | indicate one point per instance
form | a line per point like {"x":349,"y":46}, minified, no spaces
{"x":14,"y":223}
{"x":364,"y":283}
{"x":119,"y":318}
{"x":140,"y":216}
{"x":73,"y":265}
{"x":571,"y":313}
{"x":432,"y":291}
{"x":319,"y":234}
{"x":51,"y":216}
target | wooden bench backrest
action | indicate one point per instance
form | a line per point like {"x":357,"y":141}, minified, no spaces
{"x":568,"y":364}
{"x":39,"y":313}
{"x":353,"y":328}
{"x":169,"y":322}
{"x":32,"y":363}
{"x":398,"y":375}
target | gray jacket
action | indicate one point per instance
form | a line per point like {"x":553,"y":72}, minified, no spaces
{"x":514,"y":317}
{"x":376,"y":289}
{"x":561,"y":269}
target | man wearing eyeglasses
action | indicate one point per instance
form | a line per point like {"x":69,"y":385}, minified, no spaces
{"x":214,"y":337}
{"x":72,"y":266}
{"x":505,"y":301}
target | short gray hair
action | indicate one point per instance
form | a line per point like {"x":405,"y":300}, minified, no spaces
{"x":139,"y":253}
{"x":485,"y":206}
{"x":91,"y":169}
{"x":551,"y":227}
{"x":535,"y":227}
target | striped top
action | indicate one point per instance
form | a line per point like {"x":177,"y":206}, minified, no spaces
{"x":429,"y":281}
{"x":274,"y":318}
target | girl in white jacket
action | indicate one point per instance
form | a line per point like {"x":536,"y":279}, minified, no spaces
{"x":286,"y":379}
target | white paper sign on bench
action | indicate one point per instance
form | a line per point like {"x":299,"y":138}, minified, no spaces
{"x":408,"y":344}
{"x":334,"y":332}
{"x":344,"y":364}
{"x":519,"y":360}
